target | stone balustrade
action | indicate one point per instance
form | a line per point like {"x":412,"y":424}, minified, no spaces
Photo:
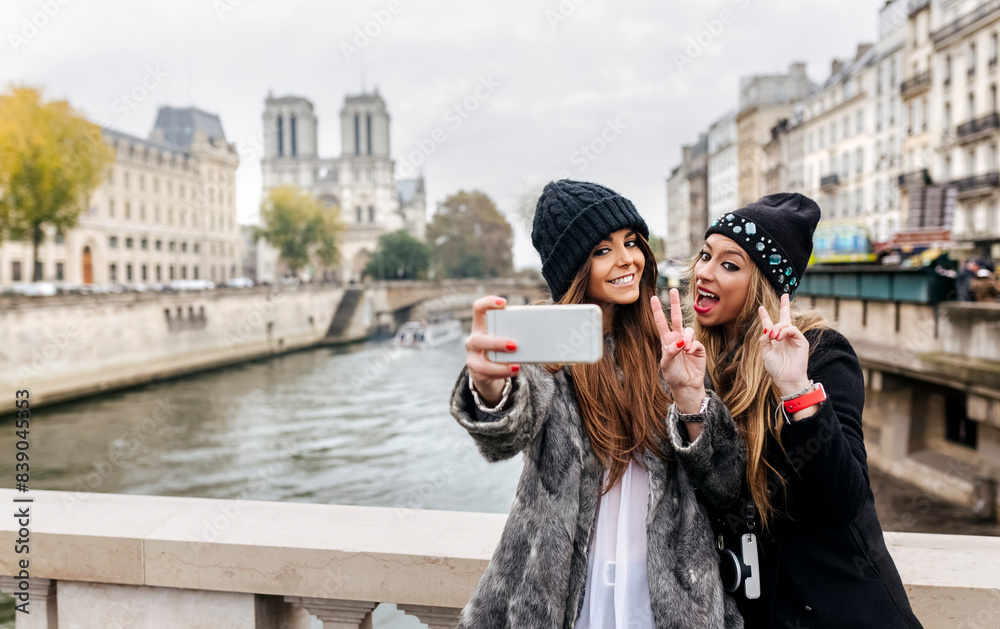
{"x":144,"y":562}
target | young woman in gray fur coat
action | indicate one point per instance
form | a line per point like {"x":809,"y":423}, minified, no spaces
{"x":607,"y":528}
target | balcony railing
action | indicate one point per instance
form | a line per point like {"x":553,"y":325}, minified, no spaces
{"x":965,"y":21}
{"x":829,"y":181}
{"x":915,"y":84}
{"x":977,"y":183}
{"x":989,"y":121}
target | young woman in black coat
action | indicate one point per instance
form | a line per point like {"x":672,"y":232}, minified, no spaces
{"x":822,"y":555}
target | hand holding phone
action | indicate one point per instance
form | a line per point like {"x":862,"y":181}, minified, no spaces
{"x":487,"y":376}
{"x":556,"y":334}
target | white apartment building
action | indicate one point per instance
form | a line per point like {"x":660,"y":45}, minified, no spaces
{"x":166,"y":210}
{"x":677,"y":243}
{"x":964,"y":112}
{"x":723,"y":169}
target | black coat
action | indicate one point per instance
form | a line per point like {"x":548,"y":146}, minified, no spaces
{"x":824,"y":562}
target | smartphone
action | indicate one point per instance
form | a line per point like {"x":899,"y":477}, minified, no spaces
{"x":559,"y":334}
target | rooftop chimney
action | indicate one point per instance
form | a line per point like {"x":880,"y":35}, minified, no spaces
{"x":836,"y":66}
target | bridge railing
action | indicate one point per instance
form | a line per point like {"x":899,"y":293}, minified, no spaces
{"x":144,"y":562}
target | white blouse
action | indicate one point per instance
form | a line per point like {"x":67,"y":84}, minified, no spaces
{"x":617,"y":591}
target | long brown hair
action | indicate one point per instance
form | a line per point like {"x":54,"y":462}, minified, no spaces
{"x":622,"y":417}
{"x":736,"y":367}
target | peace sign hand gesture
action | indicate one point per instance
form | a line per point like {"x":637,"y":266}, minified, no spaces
{"x":785,"y":350}
{"x":683,"y":359}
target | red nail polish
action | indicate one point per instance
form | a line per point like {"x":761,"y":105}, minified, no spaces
{"x":499,"y":302}
{"x":767,"y":331}
{"x":514,"y":368}
{"x":680,"y":343}
{"x":511,"y":346}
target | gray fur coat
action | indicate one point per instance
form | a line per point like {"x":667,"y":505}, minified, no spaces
{"x":538,"y":572}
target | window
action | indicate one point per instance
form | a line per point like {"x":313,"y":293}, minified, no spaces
{"x":128,"y":272}
{"x":195,"y":269}
{"x":833,"y":132}
{"x":144,"y":273}
{"x":371,"y":214}
{"x":113,"y":242}
{"x":113,"y":272}
{"x":59,"y":271}
{"x":60,"y":238}
{"x":970,"y":107}
{"x":847,"y":126}
{"x":972,"y":59}
{"x":145,"y":245}
{"x":859,"y":160}
{"x":909,"y":119}
{"x":196,"y":247}
{"x":184,"y":247}
{"x":923,"y":114}
{"x":892,"y":72}
{"x":111,"y":208}
{"x":159,"y":246}
{"x":357,"y":135}
{"x":281,"y":149}
{"x":291,"y":137}
{"x":994,"y":161}
{"x":159,"y":273}
{"x":859,"y":125}
{"x":947,"y":70}
{"x":15,"y":271}
{"x":173,"y":245}
{"x":993,"y":98}
{"x":368,"y":132}
{"x":184,"y":272}
{"x":128,"y":243}
{"x":947,"y":117}
{"x":947,"y":168}
{"x":359,"y":213}
{"x":171,"y":271}
{"x":993,"y":49}
{"x":970,"y":162}
{"x":879,"y":116}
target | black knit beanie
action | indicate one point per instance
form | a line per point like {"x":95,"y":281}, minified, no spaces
{"x":570,"y":219}
{"x":777,"y":233}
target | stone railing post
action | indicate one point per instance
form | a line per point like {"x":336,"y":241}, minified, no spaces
{"x":433,"y":617}
{"x":336,"y":613}
{"x":41,"y":602}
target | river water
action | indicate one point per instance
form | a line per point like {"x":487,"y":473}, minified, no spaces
{"x":364,"y":424}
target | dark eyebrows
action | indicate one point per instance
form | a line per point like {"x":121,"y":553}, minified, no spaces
{"x":736,"y":252}
{"x":631,"y":233}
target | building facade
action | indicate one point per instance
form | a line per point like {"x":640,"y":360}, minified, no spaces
{"x":723,"y":171}
{"x":166,"y":210}
{"x":677,"y":242}
{"x":763,"y":101}
{"x":360,"y":183}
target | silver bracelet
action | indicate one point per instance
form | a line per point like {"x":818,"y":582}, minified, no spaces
{"x":808,"y":387}
{"x":479,"y":402}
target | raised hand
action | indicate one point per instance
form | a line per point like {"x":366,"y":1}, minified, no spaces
{"x":785,"y":350}
{"x":487,"y":376}
{"x":683,"y":357}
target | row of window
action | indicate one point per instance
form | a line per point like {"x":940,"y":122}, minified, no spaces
{"x":852,"y":202}
{"x":970,"y":107}
{"x":217,"y":273}
{"x":16,"y":275}
{"x":171,"y":246}
{"x":971,"y":59}
{"x":212,"y":191}
{"x":216,"y":220}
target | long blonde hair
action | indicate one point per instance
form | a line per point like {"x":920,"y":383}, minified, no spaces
{"x":742,"y":383}
{"x":623,"y":417}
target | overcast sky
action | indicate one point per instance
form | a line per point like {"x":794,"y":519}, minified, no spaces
{"x":561,"y":75}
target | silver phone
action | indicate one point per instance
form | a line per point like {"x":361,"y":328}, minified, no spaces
{"x":560,"y":334}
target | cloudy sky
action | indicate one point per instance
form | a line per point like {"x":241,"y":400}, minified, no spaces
{"x":625,"y":77}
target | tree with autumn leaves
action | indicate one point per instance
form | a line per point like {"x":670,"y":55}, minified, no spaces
{"x":471,"y":238}
{"x":304,"y":232}
{"x":51,"y":160}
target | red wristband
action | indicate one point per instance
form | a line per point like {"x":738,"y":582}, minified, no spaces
{"x":805,"y":401}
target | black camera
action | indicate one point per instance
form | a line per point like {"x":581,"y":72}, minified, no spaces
{"x":739,"y":565}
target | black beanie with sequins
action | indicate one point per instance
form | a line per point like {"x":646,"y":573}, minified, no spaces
{"x":776,"y":231}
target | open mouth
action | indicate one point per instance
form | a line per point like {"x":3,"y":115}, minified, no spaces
{"x":705,"y":301}
{"x":626,"y":280}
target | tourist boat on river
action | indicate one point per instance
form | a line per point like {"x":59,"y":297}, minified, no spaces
{"x":434,"y":331}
